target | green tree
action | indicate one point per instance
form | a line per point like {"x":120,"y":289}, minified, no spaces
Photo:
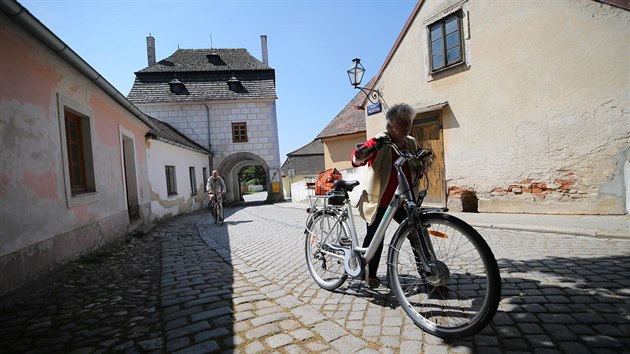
{"x":253,"y":175}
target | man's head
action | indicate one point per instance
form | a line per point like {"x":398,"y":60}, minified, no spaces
{"x":215,"y":173}
{"x":399,"y":120}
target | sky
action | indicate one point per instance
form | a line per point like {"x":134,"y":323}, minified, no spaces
{"x":310,"y":44}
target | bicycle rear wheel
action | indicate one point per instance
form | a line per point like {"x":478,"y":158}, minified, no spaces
{"x":462,"y":294}
{"x":325,"y":265}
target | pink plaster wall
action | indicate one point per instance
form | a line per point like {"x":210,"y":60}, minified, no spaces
{"x":38,"y":183}
{"x":18,"y":84}
{"x":34,"y":212}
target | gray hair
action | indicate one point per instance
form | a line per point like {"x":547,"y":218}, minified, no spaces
{"x":399,"y":112}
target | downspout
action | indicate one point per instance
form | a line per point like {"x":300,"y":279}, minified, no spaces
{"x":210,"y":158}
{"x":33,"y":26}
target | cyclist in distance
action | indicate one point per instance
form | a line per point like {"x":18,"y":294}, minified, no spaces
{"x":381,"y":181}
{"x":216,"y":187}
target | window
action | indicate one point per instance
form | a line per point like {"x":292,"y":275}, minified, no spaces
{"x":76,"y":155}
{"x":76,"y":130}
{"x":193,"y":180}
{"x":239,"y":132}
{"x":171,"y":185}
{"x":205,"y":178}
{"x":445,"y":38}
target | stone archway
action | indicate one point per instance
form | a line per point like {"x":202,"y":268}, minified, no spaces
{"x":229,"y":168}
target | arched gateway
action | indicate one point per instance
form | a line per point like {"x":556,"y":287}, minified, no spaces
{"x":232,"y":165}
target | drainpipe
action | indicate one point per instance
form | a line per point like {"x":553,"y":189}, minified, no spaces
{"x":210,"y":158}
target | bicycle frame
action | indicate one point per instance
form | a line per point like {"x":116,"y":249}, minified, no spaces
{"x":402,"y":197}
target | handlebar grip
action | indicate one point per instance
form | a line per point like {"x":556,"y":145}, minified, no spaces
{"x":422,"y":153}
{"x":379,"y":144}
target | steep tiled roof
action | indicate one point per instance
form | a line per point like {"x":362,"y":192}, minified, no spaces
{"x":307,"y":160}
{"x":167,"y":133}
{"x":350,"y":120}
{"x":315,"y":147}
{"x":204,"y":74}
{"x":191,"y":60}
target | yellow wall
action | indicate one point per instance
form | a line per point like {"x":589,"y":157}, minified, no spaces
{"x":337,"y":150}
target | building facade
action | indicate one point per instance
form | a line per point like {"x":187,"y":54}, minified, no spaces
{"x":73,"y":168}
{"x":525,"y":112}
{"x":223,"y":100}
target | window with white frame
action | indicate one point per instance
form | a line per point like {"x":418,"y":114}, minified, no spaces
{"x":193,"y":180}
{"x":171,"y":182}
{"x":446,"y":44}
{"x":205,"y":178}
{"x":77,"y":152}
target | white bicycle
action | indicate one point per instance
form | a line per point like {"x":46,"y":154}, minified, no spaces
{"x":442,"y":272}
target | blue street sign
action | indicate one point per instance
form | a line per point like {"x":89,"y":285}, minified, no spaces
{"x":374,"y":108}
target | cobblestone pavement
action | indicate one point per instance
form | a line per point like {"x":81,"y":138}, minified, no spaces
{"x":191,"y":286}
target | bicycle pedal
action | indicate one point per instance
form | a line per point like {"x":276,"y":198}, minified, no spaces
{"x":344,"y":241}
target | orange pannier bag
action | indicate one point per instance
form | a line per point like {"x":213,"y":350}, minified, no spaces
{"x":325,"y":180}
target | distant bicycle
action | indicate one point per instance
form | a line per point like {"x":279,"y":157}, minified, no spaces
{"x":440,"y":269}
{"x":216,"y":207}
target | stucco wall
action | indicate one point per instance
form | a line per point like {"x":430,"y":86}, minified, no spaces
{"x":197,"y":119}
{"x":537,"y":120}
{"x":37,"y":214}
{"x":161,"y":154}
{"x":337,"y":150}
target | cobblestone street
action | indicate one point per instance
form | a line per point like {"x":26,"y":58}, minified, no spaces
{"x":191,"y":286}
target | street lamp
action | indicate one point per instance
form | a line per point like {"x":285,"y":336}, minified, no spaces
{"x":355,"y":74}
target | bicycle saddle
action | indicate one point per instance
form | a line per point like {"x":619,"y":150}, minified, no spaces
{"x":342,"y":185}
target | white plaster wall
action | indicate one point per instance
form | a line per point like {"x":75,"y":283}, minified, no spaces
{"x":159,"y":155}
{"x":544,"y":98}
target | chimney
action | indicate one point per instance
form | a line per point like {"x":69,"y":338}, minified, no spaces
{"x":263,"y":43}
{"x":151,"y":50}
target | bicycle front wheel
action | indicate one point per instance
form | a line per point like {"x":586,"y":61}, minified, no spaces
{"x":460,"y":296}
{"x":220,"y":214}
{"x":325,"y":265}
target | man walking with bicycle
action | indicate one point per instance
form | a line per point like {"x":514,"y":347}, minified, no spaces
{"x":216,"y":188}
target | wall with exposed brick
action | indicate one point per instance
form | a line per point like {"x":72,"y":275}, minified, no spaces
{"x":538,"y":115}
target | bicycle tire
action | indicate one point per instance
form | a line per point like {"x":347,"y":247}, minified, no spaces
{"x":328,"y":271}
{"x":462,"y":303}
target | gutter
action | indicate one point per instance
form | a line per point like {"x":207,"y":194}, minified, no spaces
{"x":156,"y":137}
{"x":32,"y":25}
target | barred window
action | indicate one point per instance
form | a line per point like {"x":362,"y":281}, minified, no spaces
{"x":239,"y":132}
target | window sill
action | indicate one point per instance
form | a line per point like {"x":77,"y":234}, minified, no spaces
{"x":448,"y":71}
{"x":82,"y":199}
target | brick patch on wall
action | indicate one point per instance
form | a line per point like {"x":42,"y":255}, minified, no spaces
{"x":560,"y":188}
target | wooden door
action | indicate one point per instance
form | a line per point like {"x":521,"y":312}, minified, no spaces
{"x":427,"y":129}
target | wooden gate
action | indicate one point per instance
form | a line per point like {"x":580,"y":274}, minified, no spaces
{"x":427,"y":129}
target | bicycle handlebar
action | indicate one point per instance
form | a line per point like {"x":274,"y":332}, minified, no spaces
{"x":420,"y":154}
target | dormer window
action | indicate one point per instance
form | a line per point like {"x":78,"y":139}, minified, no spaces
{"x":177,"y":86}
{"x":234,"y":84}
{"x":215,"y":59}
